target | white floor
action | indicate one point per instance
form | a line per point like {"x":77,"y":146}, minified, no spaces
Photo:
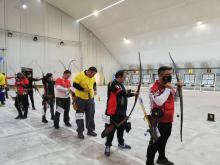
{"x":30,"y":142}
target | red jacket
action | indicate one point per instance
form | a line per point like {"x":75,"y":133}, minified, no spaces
{"x":62,"y":88}
{"x":63,"y":82}
{"x":117,"y":99}
{"x":21,"y":86}
{"x":167,"y":104}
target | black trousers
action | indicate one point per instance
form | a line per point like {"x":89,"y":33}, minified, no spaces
{"x":21,"y":104}
{"x":86,"y":107}
{"x":63,"y":103}
{"x":160,"y":146}
{"x":2,"y":95}
{"x":6,"y":92}
{"x":120,"y":131}
{"x":31,"y":95}
{"x":50,"y":102}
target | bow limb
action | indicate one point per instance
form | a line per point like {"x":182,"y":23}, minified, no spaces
{"x":62,"y":64}
{"x":70,"y":64}
{"x":180,"y":92}
{"x":41,"y":69}
{"x":139,"y":85}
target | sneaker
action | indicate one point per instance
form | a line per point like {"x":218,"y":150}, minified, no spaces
{"x":68,"y":124}
{"x":164,"y":162}
{"x":91,"y":133}
{"x":124,"y":146}
{"x":80,"y":136}
{"x":107,"y":151}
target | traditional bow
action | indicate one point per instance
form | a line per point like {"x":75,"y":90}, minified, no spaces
{"x":180,"y":96}
{"x":69,"y":65}
{"x":138,"y":91}
{"x":42,"y":72}
{"x":139,"y":85}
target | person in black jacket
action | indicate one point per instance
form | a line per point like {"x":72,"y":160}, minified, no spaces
{"x":48,"y":96}
{"x":116,"y":109}
{"x":30,"y":89}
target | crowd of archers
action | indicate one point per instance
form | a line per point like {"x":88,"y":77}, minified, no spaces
{"x":81,"y":93}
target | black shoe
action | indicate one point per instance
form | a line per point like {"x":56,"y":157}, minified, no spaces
{"x":56,"y":126}
{"x":68,"y":124}
{"x":147,"y":163}
{"x":44,"y":120}
{"x":52,"y":117}
{"x":33,"y":108}
{"x":3,"y":103}
{"x":124,"y":146}
{"x":164,"y":161}
{"x":80,"y":136}
{"x":107,"y":151}
{"x":18,"y":117}
{"x":91,"y":133}
{"x":24,"y":117}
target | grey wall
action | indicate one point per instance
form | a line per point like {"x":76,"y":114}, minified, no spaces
{"x":42,"y":19}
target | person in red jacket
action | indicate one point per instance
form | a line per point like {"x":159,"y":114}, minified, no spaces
{"x":21,"y":101}
{"x":162,"y":96}
{"x":117,"y":110}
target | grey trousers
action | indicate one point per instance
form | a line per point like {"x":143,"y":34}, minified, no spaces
{"x":87,"y":108}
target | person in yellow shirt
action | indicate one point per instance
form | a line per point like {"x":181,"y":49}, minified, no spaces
{"x":85,"y":89}
{"x":2,"y":88}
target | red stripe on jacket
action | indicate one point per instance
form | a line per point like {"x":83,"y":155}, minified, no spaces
{"x":112,"y":101}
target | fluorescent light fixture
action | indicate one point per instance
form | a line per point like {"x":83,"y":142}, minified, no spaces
{"x":95,"y":13}
{"x":99,"y":11}
{"x":127,"y":41}
{"x":24,"y":6}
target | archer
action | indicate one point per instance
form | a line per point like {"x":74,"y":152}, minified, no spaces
{"x":116,"y":109}
{"x":162,"y":96}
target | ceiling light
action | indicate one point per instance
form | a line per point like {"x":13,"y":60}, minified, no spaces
{"x":127,"y":41}
{"x":61,"y":43}
{"x":95,"y":13}
{"x":10,"y":34}
{"x":199,"y":23}
{"x":24,"y":6}
{"x":35,"y":39}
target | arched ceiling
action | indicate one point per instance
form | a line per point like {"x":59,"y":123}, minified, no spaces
{"x":153,"y":27}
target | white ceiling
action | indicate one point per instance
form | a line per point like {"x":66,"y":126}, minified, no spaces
{"x":153,"y":26}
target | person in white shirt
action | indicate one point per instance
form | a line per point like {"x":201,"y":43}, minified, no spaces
{"x":62,"y":99}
